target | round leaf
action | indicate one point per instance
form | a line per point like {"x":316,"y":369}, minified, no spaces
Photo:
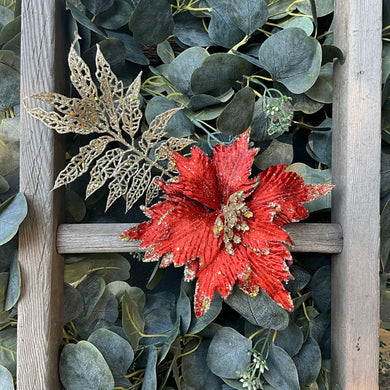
{"x":14,"y":283}
{"x":300,"y":22}
{"x":10,"y":30}
{"x":247,"y":15}
{"x":282,"y":373}
{"x":146,"y":30}
{"x":228,"y":353}
{"x":290,"y":339}
{"x":300,"y":279}
{"x":74,"y":206}
{"x":12,"y":213}
{"x":8,"y":349}
{"x":323,"y":7}
{"x":278,"y":152}
{"x":319,"y":145}
{"x":82,"y":366}
{"x":116,"y":16}
{"x":292,"y":58}
{"x":322,"y":90}
{"x":117,"y":352}
{"x":6,"y":380}
{"x":190,"y":31}
{"x":320,"y":287}
{"x":4,"y":186}
{"x":229,"y":69}
{"x":260,"y":310}
{"x":237,"y":115}
{"x":97,"y":6}
{"x":182,"y":67}
{"x":9,"y":87}
{"x":150,"y":377}
{"x":6,"y":15}
{"x":308,"y":362}
{"x":165,"y":52}
{"x":73,"y":303}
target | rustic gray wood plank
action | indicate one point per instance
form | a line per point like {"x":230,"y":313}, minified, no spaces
{"x":40,"y":305}
{"x":104,"y":238}
{"x":356,"y":167}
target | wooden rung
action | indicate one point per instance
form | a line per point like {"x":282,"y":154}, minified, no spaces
{"x":104,"y":238}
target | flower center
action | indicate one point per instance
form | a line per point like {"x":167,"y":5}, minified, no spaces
{"x":232,"y":219}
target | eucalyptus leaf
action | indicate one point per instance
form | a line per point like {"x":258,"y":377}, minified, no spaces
{"x":82,"y":366}
{"x":196,"y":372}
{"x":299,"y":280}
{"x":197,"y":102}
{"x":150,"y":376}
{"x":247,"y":15}
{"x":319,"y":326}
{"x":165,"y":52}
{"x":303,"y":23}
{"x":14,"y":284}
{"x":12,"y":213}
{"x":290,"y":339}
{"x":116,"y":16}
{"x":292,"y":58}
{"x":319,"y":145}
{"x":73,"y":303}
{"x":10,"y":30}
{"x":7,"y":57}
{"x":320,"y":287}
{"x":3,"y":288}
{"x":282,"y":373}
{"x":118,"y":288}
{"x":190,"y":30}
{"x":117,"y":352}
{"x":133,"y":50}
{"x":385,"y":236}
{"x":260,"y":310}
{"x":9,"y":87}
{"x":6,"y":380}
{"x":183,"y":66}
{"x":91,"y":290}
{"x":322,"y":90}
{"x":4,"y":186}
{"x":183,"y":310}
{"x":278,"y":9}
{"x":308,"y":362}
{"x":82,"y":18}
{"x":132,"y":318}
{"x":222,"y":30}
{"x":323,"y":7}
{"x":178,"y":126}
{"x":74,"y":206}
{"x":97,"y":6}
{"x":6,"y":15}
{"x":330,"y":52}
{"x":228,"y":353}
{"x":229,"y":67}
{"x":237,"y":115}
{"x":143,"y":22}
{"x":8,"y":349}
{"x":110,"y":266}
{"x":280,"y":151}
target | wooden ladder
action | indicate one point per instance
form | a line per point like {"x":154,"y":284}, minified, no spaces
{"x":356,"y":173}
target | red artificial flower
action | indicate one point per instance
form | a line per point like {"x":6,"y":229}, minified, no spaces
{"x":224,"y":226}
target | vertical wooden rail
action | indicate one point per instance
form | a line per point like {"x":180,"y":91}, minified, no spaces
{"x":40,"y":305}
{"x":356,"y":173}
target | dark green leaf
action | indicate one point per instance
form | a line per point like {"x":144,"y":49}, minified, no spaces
{"x":14,"y":283}
{"x":196,"y":373}
{"x":330,"y":52}
{"x":260,"y":310}
{"x":146,"y":30}
{"x":282,"y":373}
{"x":14,"y":45}
{"x":150,"y":377}
{"x":10,"y":30}
{"x":319,"y":145}
{"x":190,"y":31}
{"x":6,"y":380}
{"x":12,"y":213}
{"x":280,"y":151}
{"x":300,"y":279}
{"x":117,"y":352}
{"x":319,"y":326}
{"x":292,"y":58}
{"x":91,"y":290}
{"x":3,"y":290}
{"x":133,"y":50}
{"x":9,"y":87}
{"x":118,"y":288}
{"x":82,"y":366}
{"x":73,"y":303}
{"x":4,"y":186}
{"x":247,"y":15}
{"x":7,"y":57}
{"x":110,"y":266}
{"x":180,"y":70}
{"x":165,"y":52}
{"x":322,"y":90}
{"x":6,"y":15}
{"x":116,"y":16}
{"x":74,"y":206}
{"x":229,"y":68}
{"x":323,"y":7}
{"x":320,"y":287}
{"x":222,"y":31}
{"x":277,"y":9}
{"x":237,"y":115}
{"x":97,"y":6}
{"x":304,"y":24}
{"x":82,"y":18}
{"x":183,"y":310}
{"x":132,"y":318}
{"x":8,"y":349}
{"x":308,"y":362}
{"x":290,"y":339}
{"x":197,"y":102}
{"x":228,"y":353}
{"x":178,"y":126}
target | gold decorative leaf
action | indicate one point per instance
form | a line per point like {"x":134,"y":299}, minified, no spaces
{"x":116,"y":113}
{"x":152,"y":191}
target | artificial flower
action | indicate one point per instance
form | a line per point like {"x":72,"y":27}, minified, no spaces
{"x":224,"y":226}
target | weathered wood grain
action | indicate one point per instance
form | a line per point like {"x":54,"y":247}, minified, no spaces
{"x":99,"y":238}
{"x":356,"y":167}
{"x":40,"y":305}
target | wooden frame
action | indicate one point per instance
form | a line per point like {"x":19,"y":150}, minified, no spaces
{"x":355,"y":281}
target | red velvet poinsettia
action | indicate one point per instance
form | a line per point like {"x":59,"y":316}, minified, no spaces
{"x":225,"y":227}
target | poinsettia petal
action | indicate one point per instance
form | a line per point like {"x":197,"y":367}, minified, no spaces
{"x":197,"y":178}
{"x":233,"y":167}
{"x":218,"y":275}
{"x":269,"y":271}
